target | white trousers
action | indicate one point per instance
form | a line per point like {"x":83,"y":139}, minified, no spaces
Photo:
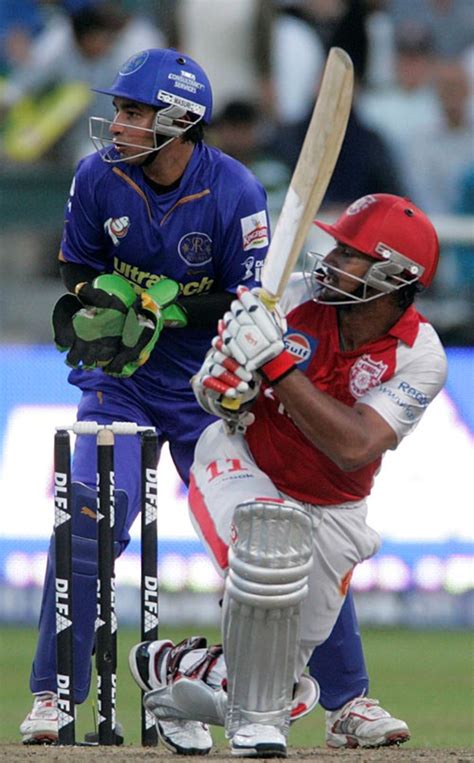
{"x":224,"y":475}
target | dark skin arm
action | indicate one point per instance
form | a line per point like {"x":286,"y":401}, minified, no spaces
{"x":351,"y":437}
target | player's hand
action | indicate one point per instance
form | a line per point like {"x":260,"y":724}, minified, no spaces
{"x":143,"y":325}
{"x":253,"y":335}
{"x":225,"y":389}
{"x":89,"y":324}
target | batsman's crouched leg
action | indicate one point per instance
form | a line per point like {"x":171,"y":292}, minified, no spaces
{"x":270,"y":558}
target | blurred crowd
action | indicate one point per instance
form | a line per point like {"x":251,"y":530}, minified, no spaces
{"x":410,"y":131}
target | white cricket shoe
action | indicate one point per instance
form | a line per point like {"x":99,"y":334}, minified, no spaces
{"x":148,"y":663}
{"x":41,"y":724}
{"x":257,"y":740}
{"x":361,"y":722}
{"x":185,"y":737}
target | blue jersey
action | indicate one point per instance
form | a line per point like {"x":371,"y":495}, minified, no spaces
{"x":210,"y":234}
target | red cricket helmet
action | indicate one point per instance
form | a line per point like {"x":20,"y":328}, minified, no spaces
{"x":393,"y":231}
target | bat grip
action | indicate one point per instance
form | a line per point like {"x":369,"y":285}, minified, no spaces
{"x":269,"y":300}
{"x":231,"y":404}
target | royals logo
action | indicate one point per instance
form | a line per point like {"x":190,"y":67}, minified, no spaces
{"x":195,"y":249}
{"x":365,"y":374}
{"x":117,"y":228}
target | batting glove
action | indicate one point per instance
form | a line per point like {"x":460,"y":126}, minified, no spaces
{"x":253,"y":335}
{"x":225,"y":389}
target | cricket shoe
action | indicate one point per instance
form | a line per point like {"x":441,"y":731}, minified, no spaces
{"x":41,"y":724}
{"x":150,"y":666}
{"x":361,"y":722}
{"x":185,"y":737}
{"x":257,"y":740}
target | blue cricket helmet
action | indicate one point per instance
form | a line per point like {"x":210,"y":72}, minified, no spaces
{"x":163,"y":77}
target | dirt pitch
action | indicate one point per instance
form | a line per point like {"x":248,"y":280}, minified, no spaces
{"x":15,"y":753}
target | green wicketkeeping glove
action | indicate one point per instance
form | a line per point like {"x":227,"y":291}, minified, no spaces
{"x":90,"y":324}
{"x":151,"y":310}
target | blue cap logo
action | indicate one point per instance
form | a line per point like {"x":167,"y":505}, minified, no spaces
{"x":135,"y":63}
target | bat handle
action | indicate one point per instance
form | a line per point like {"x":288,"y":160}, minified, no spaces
{"x":230,"y":404}
{"x":269,"y":300}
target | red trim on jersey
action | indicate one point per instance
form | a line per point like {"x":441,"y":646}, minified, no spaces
{"x":407,"y":327}
{"x":201,"y":514}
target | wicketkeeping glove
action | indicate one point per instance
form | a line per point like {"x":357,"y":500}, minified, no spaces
{"x":222,"y":379}
{"x":253,"y":335}
{"x":89,"y":324}
{"x":143,"y":325}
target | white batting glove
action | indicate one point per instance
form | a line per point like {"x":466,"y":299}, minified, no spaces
{"x":224,"y":388}
{"x":253,"y":336}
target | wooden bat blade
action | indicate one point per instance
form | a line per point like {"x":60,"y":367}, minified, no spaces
{"x":313,"y":171}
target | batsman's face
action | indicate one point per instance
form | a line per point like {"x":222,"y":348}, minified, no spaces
{"x":132,"y":128}
{"x":342,"y":272}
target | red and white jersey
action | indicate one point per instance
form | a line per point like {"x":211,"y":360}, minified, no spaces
{"x":398,"y":375}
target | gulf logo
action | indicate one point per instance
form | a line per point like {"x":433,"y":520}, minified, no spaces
{"x":298,"y":346}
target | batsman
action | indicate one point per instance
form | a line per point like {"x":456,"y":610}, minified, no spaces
{"x":278,"y":487}
{"x":160,"y":230}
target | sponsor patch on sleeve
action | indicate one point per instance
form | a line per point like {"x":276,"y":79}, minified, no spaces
{"x":254,"y":231}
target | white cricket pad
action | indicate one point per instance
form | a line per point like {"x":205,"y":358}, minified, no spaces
{"x":269,"y":561}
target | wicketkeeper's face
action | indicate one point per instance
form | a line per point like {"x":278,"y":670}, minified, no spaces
{"x":132,"y":128}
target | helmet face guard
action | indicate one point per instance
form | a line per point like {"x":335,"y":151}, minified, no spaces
{"x":380,"y":278}
{"x":172,"y":83}
{"x":168,"y":122}
{"x":392,"y":232}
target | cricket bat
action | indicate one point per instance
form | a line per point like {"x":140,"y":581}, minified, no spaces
{"x":312,"y":173}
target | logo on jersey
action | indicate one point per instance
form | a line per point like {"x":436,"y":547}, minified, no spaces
{"x":298,"y":346}
{"x":143,"y":279}
{"x":248,"y":264}
{"x":195,"y":248}
{"x":420,"y":397}
{"x":365,"y":374}
{"x":134,"y":63}
{"x":254,"y":231}
{"x":361,"y":204}
{"x":117,"y":228}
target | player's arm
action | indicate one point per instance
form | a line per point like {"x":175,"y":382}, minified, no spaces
{"x":203,"y":312}
{"x":351,"y":437}
{"x":73,"y":273}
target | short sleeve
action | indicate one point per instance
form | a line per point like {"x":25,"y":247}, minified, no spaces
{"x":420,"y":374}
{"x":83,"y":239}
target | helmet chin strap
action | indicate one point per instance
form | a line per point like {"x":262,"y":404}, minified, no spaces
{"x":150,"y":158}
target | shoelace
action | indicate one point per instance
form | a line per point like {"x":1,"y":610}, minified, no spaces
{"x":45,"y":700}
{"x":371,"y":705}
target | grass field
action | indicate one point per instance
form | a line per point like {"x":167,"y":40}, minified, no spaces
{"x":424,"y":677}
